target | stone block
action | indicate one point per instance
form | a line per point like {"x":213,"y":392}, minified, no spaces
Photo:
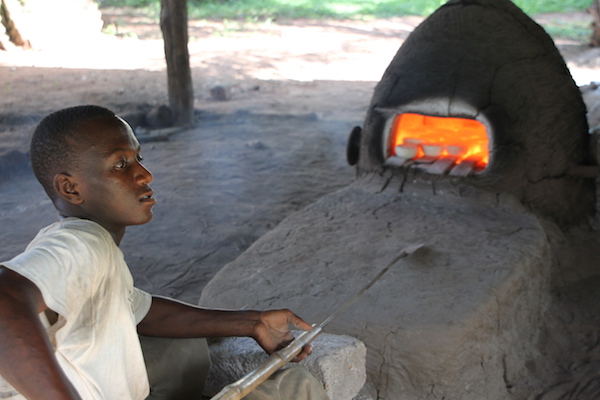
{"x":338,"y":361}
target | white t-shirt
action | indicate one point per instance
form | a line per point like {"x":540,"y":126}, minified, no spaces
{"x":83,"y":277}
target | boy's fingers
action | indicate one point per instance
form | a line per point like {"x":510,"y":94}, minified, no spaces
{"x":306,"y":350}
{"x":300,"y":323}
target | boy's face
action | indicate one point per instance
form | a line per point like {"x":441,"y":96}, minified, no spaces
{"x":111,"y":182}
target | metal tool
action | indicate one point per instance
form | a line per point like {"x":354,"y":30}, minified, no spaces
{"x":245,"y":385}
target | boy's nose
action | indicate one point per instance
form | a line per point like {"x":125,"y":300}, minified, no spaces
{"x":143,"y":175}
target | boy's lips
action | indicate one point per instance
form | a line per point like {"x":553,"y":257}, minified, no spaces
{"x":148,"y":197}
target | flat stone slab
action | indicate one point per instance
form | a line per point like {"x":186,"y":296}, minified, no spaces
{"x":459,"y":318}
{"x":338,"y":361}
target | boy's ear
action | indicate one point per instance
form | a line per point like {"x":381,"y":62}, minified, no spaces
{"x":67,"y":189}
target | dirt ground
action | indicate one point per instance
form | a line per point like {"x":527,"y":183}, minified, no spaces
{"x":276,"y":145}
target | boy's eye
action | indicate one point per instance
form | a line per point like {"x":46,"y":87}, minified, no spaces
{"x":139,"y":157}
{"x":121,"y":164}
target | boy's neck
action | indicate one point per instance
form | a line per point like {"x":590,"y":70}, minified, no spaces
{"x":116,"y":235}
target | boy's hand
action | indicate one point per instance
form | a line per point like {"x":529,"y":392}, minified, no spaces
{"x":272,"y":331}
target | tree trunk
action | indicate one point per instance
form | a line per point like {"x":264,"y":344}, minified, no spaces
{"x":12,"y":33}
{"x":43,"y":24}
{"x":174,"y":27}
{"x":595,"y":11}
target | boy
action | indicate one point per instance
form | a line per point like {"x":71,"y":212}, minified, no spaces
{"x":69,"y":313}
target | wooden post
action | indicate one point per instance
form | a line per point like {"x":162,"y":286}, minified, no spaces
{"x":174,"y":27}
{"x":12,"y":32}
{"x":595,"y":11}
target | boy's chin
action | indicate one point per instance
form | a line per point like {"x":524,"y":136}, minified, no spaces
{"x":144,"y":220}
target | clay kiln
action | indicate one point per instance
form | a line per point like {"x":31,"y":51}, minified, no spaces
{"x":487,"y":66}
{"x":460,"y":320}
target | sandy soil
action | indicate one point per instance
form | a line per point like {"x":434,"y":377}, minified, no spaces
{"x":278,"y":144}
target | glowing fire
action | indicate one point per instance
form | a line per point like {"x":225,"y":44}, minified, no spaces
{"x":415,"y":136}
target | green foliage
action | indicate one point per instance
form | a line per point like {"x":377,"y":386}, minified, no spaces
{"x":333,"y":9}
{"x":128,"y":3}
{"x":578,"y":31}
{"x":533,"y":7}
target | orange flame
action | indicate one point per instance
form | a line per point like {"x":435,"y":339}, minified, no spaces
{"x":414,"y":136}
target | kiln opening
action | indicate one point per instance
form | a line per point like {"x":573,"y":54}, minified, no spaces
{"x":457,"y":146}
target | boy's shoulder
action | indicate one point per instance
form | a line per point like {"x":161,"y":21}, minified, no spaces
{"x":74,"y":226}
{"x":73,"y":236}
{"x":72,"y":254}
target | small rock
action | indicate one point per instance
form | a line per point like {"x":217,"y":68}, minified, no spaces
{"x":256,"y":145}
{"x":159,"y":117}
{"x":220,"y":93}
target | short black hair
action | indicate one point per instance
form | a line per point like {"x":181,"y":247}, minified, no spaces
{"x":50,"y":152}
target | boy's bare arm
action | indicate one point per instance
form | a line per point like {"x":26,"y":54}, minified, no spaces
{"x":169,"y":318}
{"x":27,"y":359}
